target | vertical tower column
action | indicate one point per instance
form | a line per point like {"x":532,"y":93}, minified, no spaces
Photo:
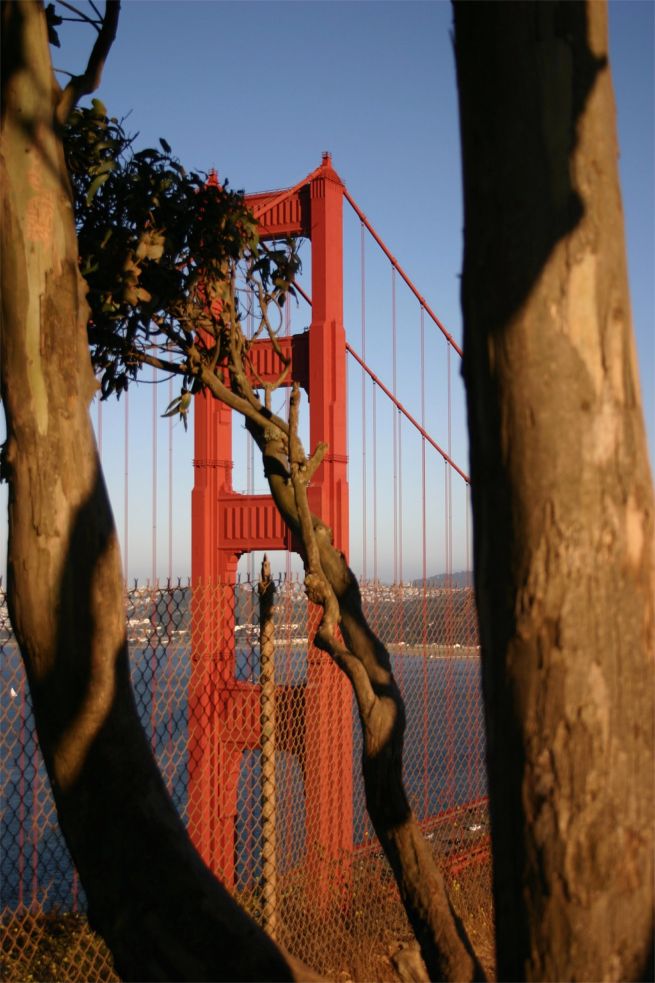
{"x":213,"y":477}
{"x":328,"y":495}
{"x":213,"y":760}
{"x":223,"y":711}
{"x":329,"y":698}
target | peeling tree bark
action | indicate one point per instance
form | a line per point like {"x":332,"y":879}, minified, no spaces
{"x":562,"y":494}
{"x":160,"y":910}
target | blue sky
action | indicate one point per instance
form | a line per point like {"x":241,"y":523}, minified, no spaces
{"x":258,"y":90}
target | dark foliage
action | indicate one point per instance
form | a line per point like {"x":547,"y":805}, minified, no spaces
{"x":172,"y":258}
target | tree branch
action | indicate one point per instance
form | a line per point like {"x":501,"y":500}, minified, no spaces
{"x":259,"y":416}
{"x":81,"y":16}
{"x":82,"y":85}
{"x":146,"y":358}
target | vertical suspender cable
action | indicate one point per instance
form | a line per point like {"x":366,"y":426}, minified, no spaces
{"x":395,"y":413}
{"x":154,"y":476}
{"x":375,"y":488}
{"x":426,"y":773}
{"x":154,"y":636}
{"x":398,"y":607}
{"x":363,"y":294}
{"x":445,"y":525}
{"x":400,"y":498}
{"x":126,"y":500}
{"x":423,"y":509}
{"x":450,"y":454}
{"x":449,"y":667}
{"x":447,"y":501}
{"x":170,"y":602}
{"x":398,"y":442}
{"x":451,"y":626}
{"x":450,"y":639}
{"x":288,"y":609}
{"x":473,"y":758}
{"x":170,"y":484}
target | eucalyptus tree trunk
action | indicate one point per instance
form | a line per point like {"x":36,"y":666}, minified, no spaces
{"x":159,"y":909}
{"x":562,"y":494}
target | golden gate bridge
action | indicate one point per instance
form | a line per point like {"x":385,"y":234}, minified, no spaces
{"x":227,"y":524}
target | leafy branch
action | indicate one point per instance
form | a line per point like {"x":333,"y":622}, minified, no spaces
{"x":173,"y":265}
{"x":89,"y":80}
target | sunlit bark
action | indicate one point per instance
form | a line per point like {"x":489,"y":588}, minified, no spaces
{"x":562,"y":494}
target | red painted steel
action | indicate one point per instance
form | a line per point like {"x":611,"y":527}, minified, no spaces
{"x":268,"y":365}
{"x":226,"y":525}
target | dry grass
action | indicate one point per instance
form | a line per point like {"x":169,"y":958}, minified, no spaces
{"x":347,"y":932}
{"x":344,"y":927}
{"x":62,"y":947}
{"x":348,"y":926}
{"x":470,"y":893}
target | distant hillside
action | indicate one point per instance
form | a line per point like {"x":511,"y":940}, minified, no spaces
{"x":463,"y":578}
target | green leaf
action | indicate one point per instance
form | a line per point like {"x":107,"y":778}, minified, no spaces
{"x":99,"y":108}
{"x":103,"y":168}
{"x":95,"y":185}
{"x":173,"y":407}
{"x":106,"y":145}
{"x":165,"y":145}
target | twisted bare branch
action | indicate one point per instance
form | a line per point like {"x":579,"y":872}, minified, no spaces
{"x":88,"y":82}
{"x":346,"y":636}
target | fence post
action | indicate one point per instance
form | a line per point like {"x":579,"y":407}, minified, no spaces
{"x":267,"y":742}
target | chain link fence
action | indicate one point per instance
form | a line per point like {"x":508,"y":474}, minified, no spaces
{"x":261,"y":757}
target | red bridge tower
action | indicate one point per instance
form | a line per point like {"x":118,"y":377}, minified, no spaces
{"x":224,"y":712}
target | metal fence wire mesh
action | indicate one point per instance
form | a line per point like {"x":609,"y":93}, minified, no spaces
{"x":262,"y":759}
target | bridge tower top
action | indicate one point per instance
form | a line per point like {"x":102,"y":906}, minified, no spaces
{"x":226,"y":524}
